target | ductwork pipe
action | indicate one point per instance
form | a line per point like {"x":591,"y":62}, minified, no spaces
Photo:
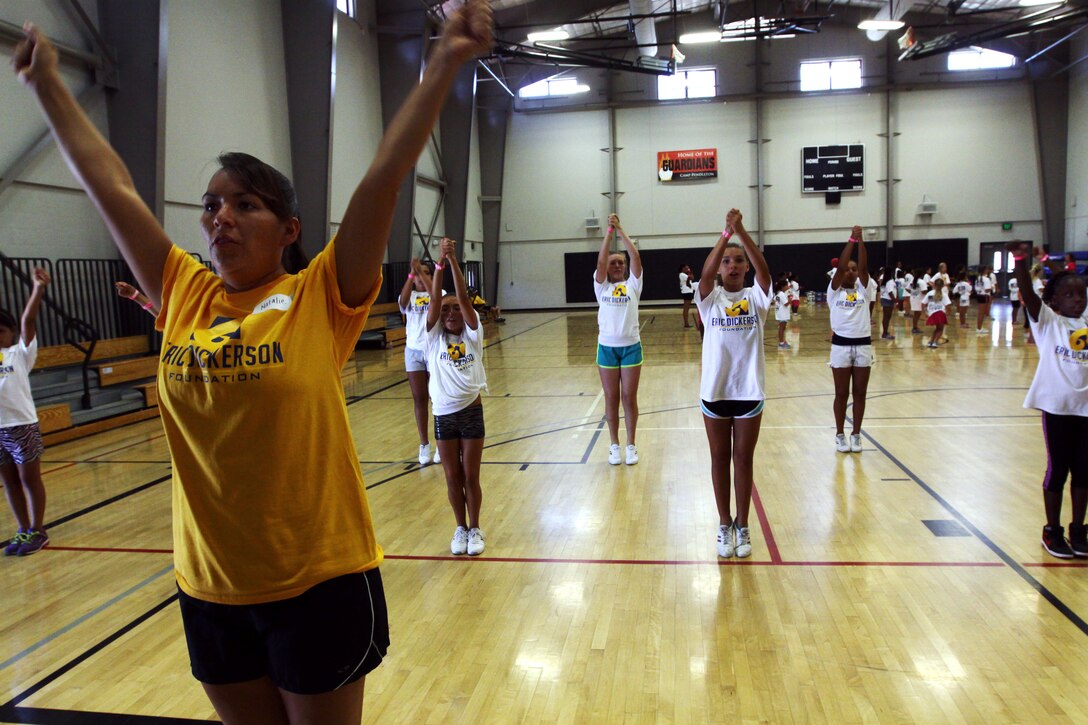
{"x":645,"y":29}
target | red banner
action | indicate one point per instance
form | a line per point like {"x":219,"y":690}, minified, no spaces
{"x":687,"y":165}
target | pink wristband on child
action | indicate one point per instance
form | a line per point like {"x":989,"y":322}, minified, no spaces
{"x":726,"y":233}
{"x":610,"y":230}
{"x":438,"y":267}
{"x":149,"y":305}
{"x":411,"y":275}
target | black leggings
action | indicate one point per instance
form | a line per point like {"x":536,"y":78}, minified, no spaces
{"x":1066,"y":452}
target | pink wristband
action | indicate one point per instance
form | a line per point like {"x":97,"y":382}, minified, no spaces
{"x":438,"y":267}
{"x":610,"y":230}
{"x":1020,"y":257}
{"x":726,"y":233}
{"x":149,"y":305}
{"x":851,"y":240}
{"x":411,"y":275}
{"x":134,"y":295}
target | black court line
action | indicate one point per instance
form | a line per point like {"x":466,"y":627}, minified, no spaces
{"x":101,"y":504}
{"x":1035,"y":584}
{"x":593,"y":440}
{"x":895,"y":479}
{"x":10,"y":710}
{"x":44,"y":716}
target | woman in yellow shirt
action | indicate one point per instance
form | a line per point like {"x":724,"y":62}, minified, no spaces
{"x":274,"y":546}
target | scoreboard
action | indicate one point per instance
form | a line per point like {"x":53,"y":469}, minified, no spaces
{"x":832,"y":168}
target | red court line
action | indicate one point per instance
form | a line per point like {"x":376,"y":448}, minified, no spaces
{"x":1059,"y":565}
{"x":765,"y":524}
{"x":107,"y":453}
{"x":50,"y":547}
{"x":633,"y":562}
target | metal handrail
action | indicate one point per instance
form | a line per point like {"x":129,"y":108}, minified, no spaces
{"x":78,"y":333}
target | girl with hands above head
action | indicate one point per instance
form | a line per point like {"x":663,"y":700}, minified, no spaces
{"x":20,"y":436}
{"x":414,"y":302}
{"x":274,"y":547}
{"x":1059,"y":391}
{"x":455,"y":358}
{"x":851,"y":341}
{"x":731,"y":386}
{"x":619,"y":345}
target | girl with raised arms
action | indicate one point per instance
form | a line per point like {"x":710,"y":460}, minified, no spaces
{"x":731,"y":386}
{"x":414,"y":302}
{"x":851,"y":343}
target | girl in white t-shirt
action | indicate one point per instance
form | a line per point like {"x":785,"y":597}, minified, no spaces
{"x":414,"y":302}
{"x":962,"y":292}
{"x":1014,"y":297}
{"x":1060,"y":391}
{"x":619,"y":345}
{"x":851,"y":341}
{"x":782,"y":311}
{"x":984,"y":289}
{"x":455,"y":358}
{"x":889,"y":295}
{"x":20,"y":437}
{"x":795,"y":293}
{"x":731,"y":384}
{"x":936,"y":301}
{"x":687,"y":292}
{"x":918,"y":287}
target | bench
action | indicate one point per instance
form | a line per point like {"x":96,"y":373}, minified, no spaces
{"x":124,"y":371}
{"x":55,"y":356}
{"x":150,"y":391}
{"x":54,"y":417}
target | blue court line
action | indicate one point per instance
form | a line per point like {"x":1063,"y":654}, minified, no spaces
{"x":42,"y":642}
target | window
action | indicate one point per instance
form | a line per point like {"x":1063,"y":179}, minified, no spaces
{"x":979,"y":59}
{"x":830,"y":75}
{"x":694,"y":83}
{"x":552,"y":87}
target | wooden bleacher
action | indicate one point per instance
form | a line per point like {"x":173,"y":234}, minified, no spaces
{"x":56,"y":356}
{"x":125,"y":371}
{"x":386,"y":319}
{"x":54,"y":417}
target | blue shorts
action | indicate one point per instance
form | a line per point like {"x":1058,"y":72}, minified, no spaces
{"x":619,"y":357}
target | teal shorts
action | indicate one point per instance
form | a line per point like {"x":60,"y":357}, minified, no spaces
{"x":619,"y":357}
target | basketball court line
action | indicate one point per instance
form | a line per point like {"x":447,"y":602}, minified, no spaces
{"x":1045,"y":593}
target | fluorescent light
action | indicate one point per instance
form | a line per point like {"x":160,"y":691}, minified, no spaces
{"x":888,"y":24}
{"x":1031,"y":3}
{"x":709,"y":36}
{"x":548,"y":35}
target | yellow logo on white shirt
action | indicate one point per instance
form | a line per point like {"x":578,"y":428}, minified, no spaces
{"x":851,"y":296}
{"x":423,"y":302}
{"x":1078,"y":340}
{"x":619,"y":290}
{"x":455,"y":350}
{"x":740,"y":307}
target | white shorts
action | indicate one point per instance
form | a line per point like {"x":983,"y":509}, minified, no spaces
{"x":851,"y":356}
{"x":415,"y":361}
{"x":916,"y":304}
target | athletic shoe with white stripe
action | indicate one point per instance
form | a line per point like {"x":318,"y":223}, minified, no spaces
{"x":744,"y":540}
{"x":725,"y":541}
{"x":459,"y":544}
{"x":475,"y":542}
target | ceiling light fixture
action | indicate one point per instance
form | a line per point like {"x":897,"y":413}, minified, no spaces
{"x":1033,"y":3}
{"x":709,"y":36}
{"x":548,"y":35}
{"x":884,"y":25}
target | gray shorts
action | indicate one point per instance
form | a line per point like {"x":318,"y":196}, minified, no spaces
{"x":415,"y":361}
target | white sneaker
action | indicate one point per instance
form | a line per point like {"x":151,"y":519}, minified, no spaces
{"x":425,"y":454}
{"x":632,"y":455}
{"x":437,"y":458}
{"x":725,"y":541}
{"x":459,"y":544}
{"x":744,"y":541}
{"x":614,"y":454}
{"x":855,"y":443}
{"x":840,"y":443}
{"x":475,"y":542}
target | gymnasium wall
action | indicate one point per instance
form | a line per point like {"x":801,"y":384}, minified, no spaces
{"x":954,"y":147}
{"x":45,"y":214}
{"x":1076,"y":190}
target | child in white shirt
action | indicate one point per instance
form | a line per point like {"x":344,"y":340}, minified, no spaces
{"x":782,"y":311}
{"x":20,"y":437}
{"x":731,"y":386}
{"x":962,"y":293}
{"x":936,"y":300}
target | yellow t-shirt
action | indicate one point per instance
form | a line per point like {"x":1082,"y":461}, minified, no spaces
{"x":268,"y":497}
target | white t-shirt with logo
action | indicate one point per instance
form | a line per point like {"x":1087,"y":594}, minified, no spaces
{"x":1014,"y":289}
{"x":733,"y":366}
{"x":872,"y":290}
{"x":963,"y":291}
{"x":849,"y":310}
{"x":984,"y":285}
{"x":936,"y":304}
{"x":891,"y":290}
{"x":782,"y":306}
{"x":456,"y":365}
{"x":617,"y":318}
{"x":685,"y":283}
{"x":1060,"y":386}
{"x":415,"y":315}
{"x":16,"y":403}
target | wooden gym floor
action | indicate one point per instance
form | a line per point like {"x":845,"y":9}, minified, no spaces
{"x":902,"y":584}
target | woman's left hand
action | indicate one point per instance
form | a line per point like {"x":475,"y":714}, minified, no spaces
{"x":467,"y":34}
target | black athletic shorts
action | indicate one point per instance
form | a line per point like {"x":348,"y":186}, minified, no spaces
{"x":330,"y":635}
{"x":726,"y":409}
{"x":689,"y":296}
{"x":465,"y":423}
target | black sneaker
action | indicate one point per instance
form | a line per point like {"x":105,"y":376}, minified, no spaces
{"x":1055,"y":544}
{"x":1078,"y":539}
